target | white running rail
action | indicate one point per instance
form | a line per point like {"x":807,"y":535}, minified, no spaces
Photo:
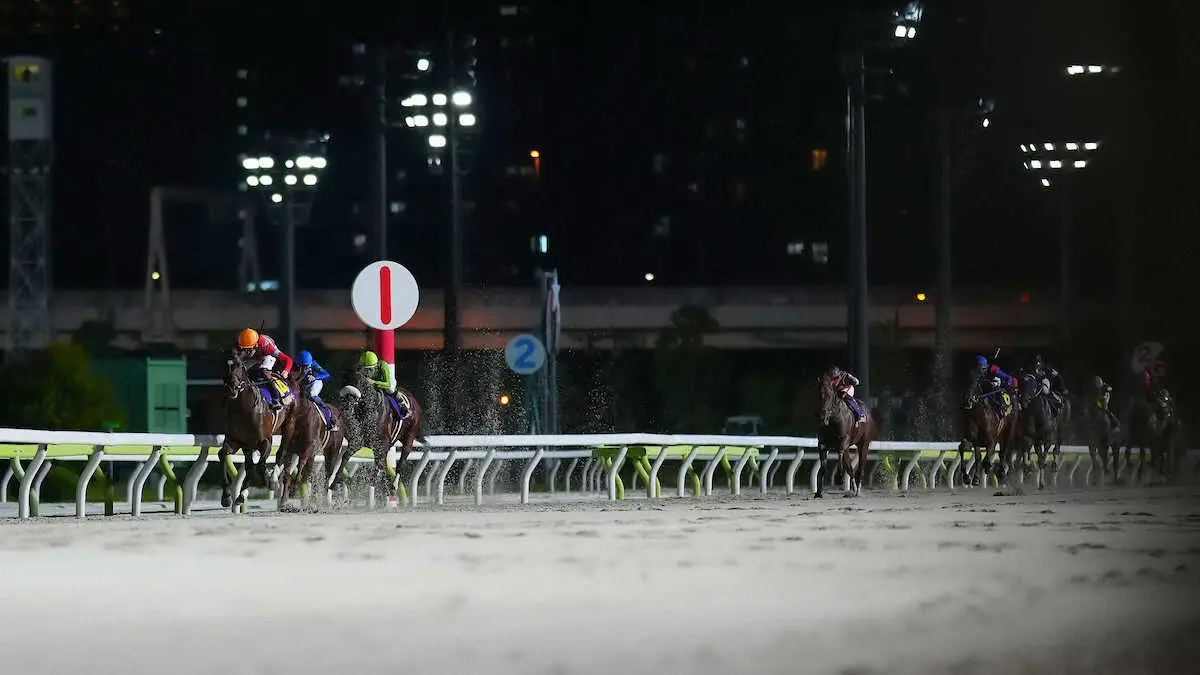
{"x":31,"y":453}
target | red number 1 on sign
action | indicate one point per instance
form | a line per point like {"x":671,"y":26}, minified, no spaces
{"x":385,"y":294}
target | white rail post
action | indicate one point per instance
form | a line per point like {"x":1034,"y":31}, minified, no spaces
{"x":85,"y":478}
{"x":8,"y":474}
{"x":764,"y":471}
{"x":554,"y":467}
{"x":483,"y":469}
{"x":444,"y":471}
{"x":651,"y":487}
{"x":37,"y":483}
{"x":192,"y":479}
{"x":615,"y":472}
{"x":818,"y":465}
{"x":955,"y":463}
{"x":793,"y":467}
{"x":414,"y":479}
{"x":933,"y":469}
{"x":567,"y":476}
{"x":737,"y":470}
{"x":909,"y":468}
{"x":468,"y":464}
{"x":26,"y":487}
{"x":712,"y":468}
{"x":497,"y":466}
{"x":139,"y":481}
{"x":527,"y":473}
{"x":429,"y":475}
{"x":683,"y":470}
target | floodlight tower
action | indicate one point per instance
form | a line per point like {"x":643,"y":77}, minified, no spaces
{"x":903,"y":28}
{"x":1057,"y":165}
{"x":31,"y":158}
{"x":289,"y":178}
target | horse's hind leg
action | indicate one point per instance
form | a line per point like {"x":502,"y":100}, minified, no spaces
{"x":822,"y":458}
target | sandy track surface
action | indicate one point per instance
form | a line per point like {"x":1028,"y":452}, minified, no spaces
{"x":1070,"y":582}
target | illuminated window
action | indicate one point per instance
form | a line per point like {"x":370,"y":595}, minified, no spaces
{"x":795,"y":248}
{"x":819,"y":157}
{"x":820,"y":251}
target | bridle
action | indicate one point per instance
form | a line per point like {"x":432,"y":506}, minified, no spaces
{"x":234,"y":386}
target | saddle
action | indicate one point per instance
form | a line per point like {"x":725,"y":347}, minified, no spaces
{"x":400,"y":404}
{"x":275,"y":389}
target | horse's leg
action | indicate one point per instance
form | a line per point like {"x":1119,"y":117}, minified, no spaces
{"x":846,"y":460}
{"x":964,"y":478}
{"x":226,"y":479}
{"x":822,"y":458}
{"x":860,"y":471}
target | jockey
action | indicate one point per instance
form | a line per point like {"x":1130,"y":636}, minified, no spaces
{"x":1051,"y":376}
{"x":845,"y":382}
{"x":313,"y":376}
{"x":380,"y":375}
{"x":998,"y":379}
{"x":265,"y":351}
{"x":1103,"y":397}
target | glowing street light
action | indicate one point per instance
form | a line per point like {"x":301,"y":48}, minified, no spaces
{"x":921,"y":297}
{"x":649,"y":276}
{"x":424,"y":65}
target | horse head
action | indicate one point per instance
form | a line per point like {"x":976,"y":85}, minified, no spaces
{"x":1030,"y":388}
{"x":237,"y":377}
{"x":829,"y":399}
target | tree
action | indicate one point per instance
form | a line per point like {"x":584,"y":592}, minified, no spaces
{"x":692,"y":379}
{"x":56,"y":388}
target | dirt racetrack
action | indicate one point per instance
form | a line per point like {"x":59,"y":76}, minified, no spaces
{"x":1098,"y":581}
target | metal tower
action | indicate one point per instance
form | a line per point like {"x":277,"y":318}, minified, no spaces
{"x":30,"y":159}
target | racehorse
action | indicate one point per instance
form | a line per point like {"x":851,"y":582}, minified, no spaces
{"x":985,"y":426}
{"x":1041,"y":429}
{"x":839,"y":430}
{"x":250,"y":425}
{"x":1103,"y":434}
{"x":1152,"y":424}
{"x":372,"y":422}
{"x":294,"y":461}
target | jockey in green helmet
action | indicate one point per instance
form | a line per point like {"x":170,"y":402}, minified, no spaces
{"x":377,"y":371}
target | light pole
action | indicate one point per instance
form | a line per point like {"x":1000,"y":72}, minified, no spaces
{"x":443,"y":119}
{"x":903,"y":28}
{"x":289,"y":184}
{"x":1056,"y":165}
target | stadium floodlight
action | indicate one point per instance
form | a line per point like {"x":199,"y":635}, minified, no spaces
{"x":1048,"y":146}
{"x":1072,"y":146}
{"x":265,"y":181}
{"x":466,"y":119}
{"x":420,"y":121}
{"x":1035,"y":164}
{"x":461,"y":99}
{"x":1091,"y":146}
{"x":289,"y":179}
{"x":310,"y":179}
{"x":440,"y":119}
{"x":1080,"y":163}
{"x":277,"y":198}
{"x":439,"y":99}
{"x":1074,"y":70}
{"x":437,"y":141}
{"x":906,"y":21}
{"x":252,"y":181}
{"x":319,"y":162}
{"x":1056,"y":164}
{"x":267,"y":163}
{"x":424,"y":65}
{"x":1045,"y":182}
{"x":250,"y":163}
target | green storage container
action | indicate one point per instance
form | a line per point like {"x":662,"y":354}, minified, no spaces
{"x":153,"y":391}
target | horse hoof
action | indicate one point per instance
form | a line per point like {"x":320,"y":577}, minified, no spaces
{"x":226,"y":501}
{"x":819,"y":495}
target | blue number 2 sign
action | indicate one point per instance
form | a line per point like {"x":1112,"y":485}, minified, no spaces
{"x":525,"y":354}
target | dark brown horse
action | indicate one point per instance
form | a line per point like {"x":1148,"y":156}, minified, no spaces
{"x":250,"y":425}
{"x":1152,"y":425}
{"x":839,"y":431}
{"x":1041,"y":429}
{"x":294,"y":463}
{"x":371,"y":422}
{"x":985,"y":426}
{"x":1103,"y":435}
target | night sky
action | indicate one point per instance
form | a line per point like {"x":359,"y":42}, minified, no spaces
{"x":676,"y":138}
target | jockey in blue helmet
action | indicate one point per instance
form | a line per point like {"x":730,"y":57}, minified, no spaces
{"x":313,"y":376}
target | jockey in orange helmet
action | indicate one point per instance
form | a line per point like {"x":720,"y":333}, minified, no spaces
{"x":264,"y":350}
